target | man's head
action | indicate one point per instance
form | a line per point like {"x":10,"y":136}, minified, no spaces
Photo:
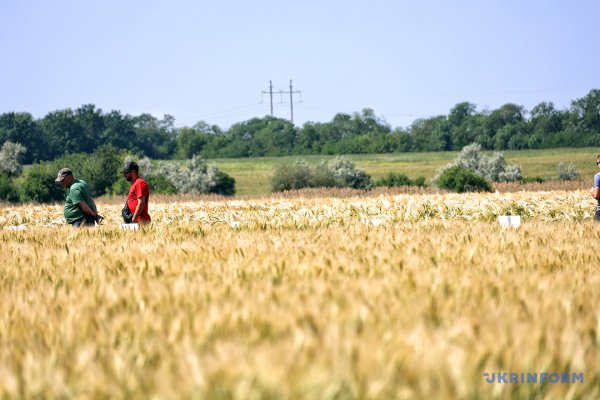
{"x":65,"y":177}
{"x":130,"y":171}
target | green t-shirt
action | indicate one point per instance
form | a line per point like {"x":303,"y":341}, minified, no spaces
{"x":78,"y":192}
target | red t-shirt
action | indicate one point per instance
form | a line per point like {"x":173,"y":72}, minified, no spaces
{"x":138,"y":189}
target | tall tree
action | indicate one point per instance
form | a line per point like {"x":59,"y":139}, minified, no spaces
{"x":462,"y":125}
{"x":91,"y":121}
{"x":118,"y":131}
{"x":546,"y":122}
{"x":585,"y":113}
{"x":63,"y":133}
{"x":155,"y":138}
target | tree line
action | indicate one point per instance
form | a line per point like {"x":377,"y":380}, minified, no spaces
{"x":509,"y":127}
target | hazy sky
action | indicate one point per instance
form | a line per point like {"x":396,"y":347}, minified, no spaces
{"x":200,"y":60}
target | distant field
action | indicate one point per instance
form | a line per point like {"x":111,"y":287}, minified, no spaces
{"x":252,"y":174}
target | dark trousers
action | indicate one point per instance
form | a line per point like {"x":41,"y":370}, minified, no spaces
{"x":597,"y":215}
{"x":85,"y":221}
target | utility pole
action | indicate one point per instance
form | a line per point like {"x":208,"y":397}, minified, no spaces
{"x":270,"y":95}
{"x":291,"y":103}
{"x":281,"y":92}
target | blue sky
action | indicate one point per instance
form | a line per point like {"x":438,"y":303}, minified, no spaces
{"x":210,"y":61}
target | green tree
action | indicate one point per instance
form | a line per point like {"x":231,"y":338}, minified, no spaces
{"x":506,"y":135}
{"x":462,"y":125}
{"x":91,"y":123}
{"x":23,"y":129}
{"x":585,"y":114}
{"x":103,"y":169}
{"x":501,"y":122}
{"x":545,"y":121}
{"x":368,"y":123}
{"x":189,"y":142}
{"x":261,"y":136}
{"x":118,"y":131}
{"x":402,"y":140}
{"x":62,"y":132}
{"x":309,"y":138}
{"x":431,"y":134}
{"x":155,"y":138}
{"x":460,"y":113}
{"x":276,"y":138}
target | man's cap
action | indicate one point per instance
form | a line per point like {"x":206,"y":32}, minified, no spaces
{"x":62,"y":174}
{"x":130,"y":166}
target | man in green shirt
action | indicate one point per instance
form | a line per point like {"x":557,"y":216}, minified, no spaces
{"x":80,"y":209}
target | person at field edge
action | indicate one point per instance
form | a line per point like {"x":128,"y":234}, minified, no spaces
{"x":139,"y":193}
{"x":596,"y":190}
{"x":80,"y":209}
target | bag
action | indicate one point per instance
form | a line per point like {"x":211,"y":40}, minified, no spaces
{"x":126,"y":214}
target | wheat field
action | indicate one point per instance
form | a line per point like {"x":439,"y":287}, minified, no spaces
{"x":393,"y":296}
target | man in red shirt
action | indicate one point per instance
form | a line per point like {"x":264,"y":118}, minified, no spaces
{"x":139,"y":192}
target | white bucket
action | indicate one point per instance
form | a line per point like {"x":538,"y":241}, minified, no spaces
{"x":373,"y":221}
{"x":130,"y":227}
{"x":508,"y":221}
{"x":16,"y":227}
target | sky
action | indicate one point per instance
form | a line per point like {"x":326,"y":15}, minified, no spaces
{"x":211,"y":60}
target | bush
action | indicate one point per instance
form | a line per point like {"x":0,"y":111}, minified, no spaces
{"x":512,"y":173}
{"x":296,"y":175}
{"x":420,"y":181}
{"x":346,"y":174}
{"x":339,"y":172}
{"x":38,"y":184}
{"x":102,"y":169}
{"x":567,"y":173}
{"x":225,"y":184}
{"x":492,"y":168}
{"x":8,"y":192}
{"x":394,"y":179}
{"x":321,"y":176}
{"x":460,"y":179}
{"x":159,"y":184}
{"x":197,"y":177}
{"x":200,"y":177}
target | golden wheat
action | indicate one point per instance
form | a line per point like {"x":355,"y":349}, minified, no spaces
{"x":397,"y":296}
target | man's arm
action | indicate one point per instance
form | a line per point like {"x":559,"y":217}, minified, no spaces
{"x":88,"y":211}
{"x":138,"y":210}
{"x":98,"y":216}
{"x":595,"y":192}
